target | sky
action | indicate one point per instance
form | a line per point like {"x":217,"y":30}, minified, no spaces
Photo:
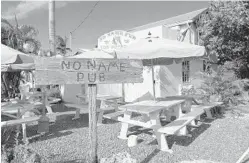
{"x":107,"y":16}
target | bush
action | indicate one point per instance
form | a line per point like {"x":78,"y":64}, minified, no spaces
{"x":10,"y":83}
{"x":217,"y":87}
{"x":20,"y":154}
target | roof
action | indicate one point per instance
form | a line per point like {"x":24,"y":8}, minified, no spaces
{"x":180,"y":19}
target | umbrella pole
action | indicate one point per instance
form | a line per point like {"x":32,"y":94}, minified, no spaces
{"x":153,"y":80}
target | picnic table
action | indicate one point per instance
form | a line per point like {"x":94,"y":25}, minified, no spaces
{"x":152,"y":109}
{"x":107,"y":102}
{"x":149,"y":108}
{"x":20,"y":108}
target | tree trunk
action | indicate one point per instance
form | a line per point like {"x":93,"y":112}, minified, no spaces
{"x":51,"y":6}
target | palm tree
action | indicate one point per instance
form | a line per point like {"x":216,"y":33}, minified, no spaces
{"x":51,"y":21}
{"x":61,"y":46}
{"x":22,"y":38}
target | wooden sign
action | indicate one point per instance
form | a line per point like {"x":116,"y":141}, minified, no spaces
{"x":114,"y":40}
{"x":90,"y":71}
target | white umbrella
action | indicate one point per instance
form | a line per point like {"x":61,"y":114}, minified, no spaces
{"x":93,"y":54}
{"x":154,"y":48}
{"x":12,"y":59}
{"x":159,"y":51}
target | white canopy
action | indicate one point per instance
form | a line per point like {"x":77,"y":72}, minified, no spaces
{"x":12,"y":59}
{"x":93,"y":54}
{"x":152,"y":48}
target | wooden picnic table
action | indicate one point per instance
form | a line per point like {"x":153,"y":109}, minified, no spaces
{"x":107,"y":102}
{"x":149,"y":108}
{"x":100,"y":97}
{"x":19,"y":108}
{"x":152,"y":109}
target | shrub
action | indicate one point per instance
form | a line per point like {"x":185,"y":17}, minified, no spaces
{"x":217,"y":87}
{"x":20,"y":154}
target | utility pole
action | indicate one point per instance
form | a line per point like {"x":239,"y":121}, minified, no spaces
{"x":70,"y":40}
{"x":51,"y":23}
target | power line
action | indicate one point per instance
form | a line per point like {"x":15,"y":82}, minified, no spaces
{"x":85,"y":17}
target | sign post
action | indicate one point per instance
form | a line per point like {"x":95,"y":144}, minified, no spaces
{"x":88,"y":71}
{"x":92,"y":95}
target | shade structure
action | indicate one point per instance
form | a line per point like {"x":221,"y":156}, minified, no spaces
{"x":14,"y":60}
{"x":160,"y":51}
{"x":93,"y":54}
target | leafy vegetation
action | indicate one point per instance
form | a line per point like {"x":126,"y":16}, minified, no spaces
{"x":224,"y":31}
{"x":20,"y":37}
{"x":216,"y":86}
{"x":61,"y":46}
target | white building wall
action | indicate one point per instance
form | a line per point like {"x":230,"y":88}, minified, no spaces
{"x":139,"y":90}
{"x":170,"y":78}
{"x":155,"y":32}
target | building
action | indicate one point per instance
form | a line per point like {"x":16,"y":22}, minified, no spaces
{"x":170,"y":79}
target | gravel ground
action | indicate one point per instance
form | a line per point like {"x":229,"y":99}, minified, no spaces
{"x":222,"y":140}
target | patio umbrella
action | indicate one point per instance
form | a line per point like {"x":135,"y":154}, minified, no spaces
{"x":95,"y":53}
{"x":160,"y":51}
{"x":14,"y":60}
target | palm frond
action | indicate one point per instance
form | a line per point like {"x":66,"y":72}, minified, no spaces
{"x":6,"y":22}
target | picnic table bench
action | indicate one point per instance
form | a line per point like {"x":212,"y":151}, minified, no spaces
{"x":175,"y":126}
{"x":148,"y":108}
{"x":107,"y":102}
{"x":152,"y":110}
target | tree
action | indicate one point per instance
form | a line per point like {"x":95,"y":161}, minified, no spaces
{"x":61,"y":45}
{"x":51,"y":21}
{"x":22,"y":38}
{"x":224,"y":31}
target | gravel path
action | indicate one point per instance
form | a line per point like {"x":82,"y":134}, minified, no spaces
{"x":222,"y":140}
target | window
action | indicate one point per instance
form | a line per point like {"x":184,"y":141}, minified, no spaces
{"x":185,"y":71}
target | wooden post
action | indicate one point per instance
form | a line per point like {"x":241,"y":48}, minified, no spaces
{"x":70,"y":40}
{"x":153,"y":80}
{"x":123,"y":92}
{"x":92,"y":95}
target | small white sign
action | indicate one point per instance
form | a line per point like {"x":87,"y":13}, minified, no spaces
{"x":114,"y":40}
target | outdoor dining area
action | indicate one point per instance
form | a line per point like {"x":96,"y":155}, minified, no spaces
{"x":179,"y":112}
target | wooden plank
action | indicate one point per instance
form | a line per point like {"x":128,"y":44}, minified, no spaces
{"x":178,"y":124}
{"x":101,"y":97}
{"x":19,"y":121}
{"x":82,"y":108}
{"x":91,"y":71}
{"x":113,"y":115}
{"x":180,"y":97}
{"x":136,"y":123}
{"x":150,"y":106}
